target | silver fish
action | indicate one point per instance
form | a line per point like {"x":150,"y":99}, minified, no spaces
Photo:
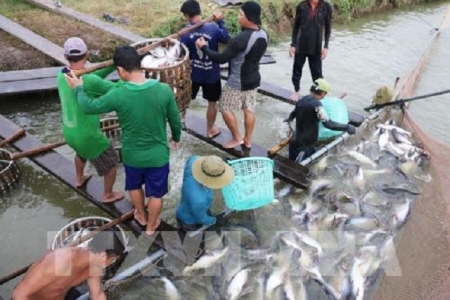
{"x":171,"y":290}
{"x":401,"y":213}
{"x":373,"y":198}
{"x":402,"y":187}
{"x":206,"y":261}
{"x":150,"y":61}
{"x":237,"y":284}
{"x":400,"y":138}
{"x":362,"y":223}
{"x":383,"y":139}
{"x":394,"y":150}
{"x":362,"y":158}
{"x":275,"y":280}
{"x":357,"y":281}
{"x":359,"y":179}
{"x":399,"y":129}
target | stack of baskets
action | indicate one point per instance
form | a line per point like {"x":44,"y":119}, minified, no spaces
{"x":177,"y":76}
{"x":9,"y":171}
{"x":252,"y":186}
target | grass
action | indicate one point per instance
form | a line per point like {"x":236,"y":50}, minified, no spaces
{"x":160,"y":18}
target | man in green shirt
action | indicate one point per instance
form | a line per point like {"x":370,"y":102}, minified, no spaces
{"x":82,"y":132}
{"x":143,"y":107}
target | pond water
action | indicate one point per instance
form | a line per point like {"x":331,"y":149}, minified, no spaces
{"x":370,"y":52}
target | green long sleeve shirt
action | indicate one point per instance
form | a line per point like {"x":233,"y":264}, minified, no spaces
{"x":143,"y":111}
{"x":81,"y":131}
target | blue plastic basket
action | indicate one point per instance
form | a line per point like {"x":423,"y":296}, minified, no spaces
{"x":252,"y":186}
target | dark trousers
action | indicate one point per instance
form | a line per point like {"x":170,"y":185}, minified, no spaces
{"x":304,"y":151}
{"x":315,"y":66}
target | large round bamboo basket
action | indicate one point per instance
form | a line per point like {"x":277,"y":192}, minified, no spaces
{"x":9,"y":171}
{"x":113,"y":135}
{"x":70,"y":231}
{"x":177,"y":76}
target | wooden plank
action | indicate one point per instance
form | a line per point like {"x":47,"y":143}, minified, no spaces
{"x":31,"y":38}
{"x":64,"y":170}
{"x":35,"y":85}
{"x":10,"y":76}
{"x":283,"y":169}
{"x":66,"y":11}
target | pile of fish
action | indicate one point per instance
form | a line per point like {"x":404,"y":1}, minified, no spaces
{"x":162,"y":56}
{"x":340,"y":233}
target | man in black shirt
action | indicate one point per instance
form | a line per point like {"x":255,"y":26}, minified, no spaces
{"x":312,"y":22}
{"x":243,"y":55}
{"x":308,"y":113}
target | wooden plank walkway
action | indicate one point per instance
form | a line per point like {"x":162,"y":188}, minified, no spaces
{"x":33,"y":39}
{"x":64,"y":170}
{"x":283,"y":168}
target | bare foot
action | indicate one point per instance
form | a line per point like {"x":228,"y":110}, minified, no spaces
{"x":231,"y":144}
{"x":213,"y":133}
{"x":151,"y":229}
{"x":139,"y":218}
{"x":115,"y":196}
{"x":84,"y":179}
{"x":295,"y":96}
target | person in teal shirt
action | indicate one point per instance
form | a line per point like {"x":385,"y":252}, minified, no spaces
{"x":201,"y":176}
{"x":143,"y":107}
{"x":81,"y":131}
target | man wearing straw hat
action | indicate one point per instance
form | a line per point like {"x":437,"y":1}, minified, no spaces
{"x":201,"y":176}
{"x":81,"y":131}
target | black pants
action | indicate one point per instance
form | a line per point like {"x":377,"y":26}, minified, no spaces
{"x":305,"y":151}
{"x":315,"y":66}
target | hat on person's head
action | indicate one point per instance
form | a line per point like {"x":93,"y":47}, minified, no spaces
{"x":322,"y":85}
{"x":383,"y":95}
{"x":75,"y":46}
{"x":252,"y":11}
{"x":212,"y":172}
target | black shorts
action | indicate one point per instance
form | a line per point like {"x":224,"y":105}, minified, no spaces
{"x":211,"y":91}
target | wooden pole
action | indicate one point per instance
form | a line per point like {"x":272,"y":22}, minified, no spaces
{"x":84,"y":238}
{"x":13,"y":137}
{"x":143,"y":50}
{"x":52,"y":146}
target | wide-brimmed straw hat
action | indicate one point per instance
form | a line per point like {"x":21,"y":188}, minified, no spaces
{"x":383,"y":95}
{"x":212,"y":172}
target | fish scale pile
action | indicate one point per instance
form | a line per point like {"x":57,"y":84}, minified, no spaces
{"x":340,"y":235}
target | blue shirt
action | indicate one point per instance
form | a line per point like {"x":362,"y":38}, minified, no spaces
{"x":196,"y":199}
{"x":204,"y":70}
{"x":336,"y":111}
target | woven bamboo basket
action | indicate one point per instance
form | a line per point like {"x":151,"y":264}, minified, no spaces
{"x":86,"y":224}
{"x":177,"y":76}
{"x":9,"y":171}
{"x":113,"y":135}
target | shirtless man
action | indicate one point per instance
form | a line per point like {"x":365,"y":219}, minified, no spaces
{"x":53,"y":275}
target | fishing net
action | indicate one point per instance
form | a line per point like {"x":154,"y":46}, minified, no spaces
{"x":423,"y":247}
